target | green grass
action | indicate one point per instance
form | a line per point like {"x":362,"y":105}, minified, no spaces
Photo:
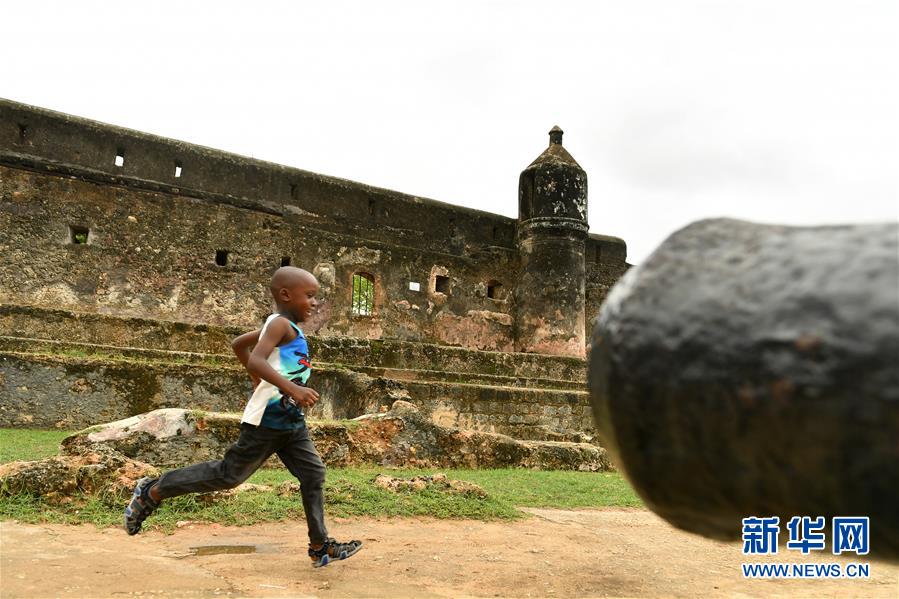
{"x":349,"y":492}
{"x":28,"y":444}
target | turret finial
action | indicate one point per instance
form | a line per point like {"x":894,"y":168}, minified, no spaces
{"x":555,"y":135}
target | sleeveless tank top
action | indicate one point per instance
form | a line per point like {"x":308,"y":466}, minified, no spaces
{"x":267,"y":407}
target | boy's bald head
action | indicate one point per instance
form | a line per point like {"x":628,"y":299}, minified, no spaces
{"x":294,"y":291}
{"x":288,"y":277}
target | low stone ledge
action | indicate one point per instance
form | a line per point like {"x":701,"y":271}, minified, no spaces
{"x":400,"y":437}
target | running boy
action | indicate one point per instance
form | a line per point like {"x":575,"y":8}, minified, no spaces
{"x":273,"y":421}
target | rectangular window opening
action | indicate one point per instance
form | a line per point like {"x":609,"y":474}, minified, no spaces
{"x":23,"y":131}
{"x":285,"y":260}
{"x":78,"y":235}
{"x":441,"y":284}
{"x":371,"y":207}
{"x":120,"y":157}
{"x":414,"y":286}
{"x":363,"y":300}
{"x":294,"y":193}
{"x":495,"y":290}
{"x":221,"y":257}
{"x":177,"y":169}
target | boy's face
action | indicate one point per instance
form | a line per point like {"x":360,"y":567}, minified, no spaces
{"x":300,"y":298}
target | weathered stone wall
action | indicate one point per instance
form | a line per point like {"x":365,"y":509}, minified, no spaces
{"x":605,"y":259}
{"x":129,"y":261}
{"x":68,"y":390}
{"x":212,"y":342}
{"x":53,"y":374}
{"x":153,"y":255}
{"x":152,"y":238}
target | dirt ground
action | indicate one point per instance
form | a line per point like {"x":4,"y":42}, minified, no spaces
{"x":556,"y":553}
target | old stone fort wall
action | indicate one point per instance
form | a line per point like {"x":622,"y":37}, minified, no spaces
{"x":129,"y":260}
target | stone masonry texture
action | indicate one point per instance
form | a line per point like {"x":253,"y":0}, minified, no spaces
{"x":172,"y":238}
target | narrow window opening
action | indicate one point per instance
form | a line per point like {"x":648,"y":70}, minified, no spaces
{"x":294,"y":192}
{"x":441,"y":284}
{"x":23,"y":131}
{"x":285,"y":260}
{"x":371,"y":207}
{"x":221,"y":257}
{"x":363,"y":299}
{"x":78,"y":235}
{"x":494,"y":232}
{"x":177,"y":169}
{"x":414,"y":286}
{"x":495,"y":290}
{"x":120,"y":157}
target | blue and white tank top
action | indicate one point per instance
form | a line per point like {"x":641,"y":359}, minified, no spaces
{"x":267,"y":406}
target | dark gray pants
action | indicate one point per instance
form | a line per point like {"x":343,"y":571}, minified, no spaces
{"x":255,"y":445}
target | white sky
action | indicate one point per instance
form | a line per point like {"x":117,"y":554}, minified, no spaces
{"x":775,"y":111}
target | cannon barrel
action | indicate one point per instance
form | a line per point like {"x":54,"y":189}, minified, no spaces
{"x":753,"y":370}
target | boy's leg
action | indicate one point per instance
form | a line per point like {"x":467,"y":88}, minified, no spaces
{"x":241,"y":460}
{"x":303,"y":461}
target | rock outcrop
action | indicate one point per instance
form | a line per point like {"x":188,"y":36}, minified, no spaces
{"x":401,"y":436}
{"x":110,"y":458}
{"x":98,"y":470}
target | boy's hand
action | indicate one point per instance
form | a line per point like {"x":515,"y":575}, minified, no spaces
{"x":303,"y":396}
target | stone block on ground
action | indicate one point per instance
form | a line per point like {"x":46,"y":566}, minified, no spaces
{"x":98,"y":470}
{"x":438,"y":482}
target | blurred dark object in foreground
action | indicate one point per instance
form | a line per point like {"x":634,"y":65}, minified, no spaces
{"x":753,"y":370}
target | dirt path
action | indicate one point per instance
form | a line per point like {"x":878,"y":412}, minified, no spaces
{"x":557,"y":553}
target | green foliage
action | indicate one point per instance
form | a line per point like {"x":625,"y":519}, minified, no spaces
{"x":363,"y":298}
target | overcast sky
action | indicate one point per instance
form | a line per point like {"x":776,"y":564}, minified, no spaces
{"x":781,"y":111}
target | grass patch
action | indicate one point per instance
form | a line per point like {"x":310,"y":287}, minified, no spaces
{"x":349,"y":492}
{"x":29,"y":444}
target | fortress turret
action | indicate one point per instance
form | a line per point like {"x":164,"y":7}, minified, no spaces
{"x":552,"y":229}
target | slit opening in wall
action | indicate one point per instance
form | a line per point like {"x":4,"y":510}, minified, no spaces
{"x":441,"y":284}
{"x":294,"y":192}
{"x":78,"y":235}
{"x":177,"y":169}
{"x":285,"y":260}
{"x":371,"y":207}
{"x":120,"y":157}
{"x":495,"y":290}
{"x":221,"y":257}
{"x":23,"y":131}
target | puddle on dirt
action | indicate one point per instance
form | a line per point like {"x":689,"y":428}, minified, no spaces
{"x":220,"y":549}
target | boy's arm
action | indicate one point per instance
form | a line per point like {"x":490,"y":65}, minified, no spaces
{"x":258,"y":365}
{"x":242,"y":346}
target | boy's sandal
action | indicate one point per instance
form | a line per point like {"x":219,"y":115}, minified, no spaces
{"x":332,"y":551}
{"x":140,"y":506}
